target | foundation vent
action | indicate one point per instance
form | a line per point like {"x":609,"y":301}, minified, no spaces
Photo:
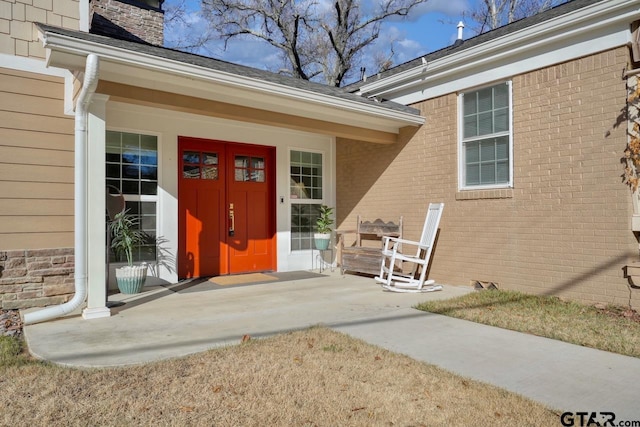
{"x":481,"y":285}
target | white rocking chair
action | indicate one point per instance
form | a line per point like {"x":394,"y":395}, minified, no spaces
{"x":396,"y":281}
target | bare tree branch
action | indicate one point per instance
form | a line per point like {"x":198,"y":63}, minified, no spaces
{"x":491,"y":14}
{"x":316,"y":41}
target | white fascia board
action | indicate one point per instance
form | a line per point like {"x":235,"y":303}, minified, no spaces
{"x":548,"y":33}
{"x":502,"y":67}
{"x":167,"y":66}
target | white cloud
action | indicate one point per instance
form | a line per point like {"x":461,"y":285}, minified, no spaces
{"x":252,"y":53}
{"x":249,"y":52}
{"x":451,"y":8}
{"x":407,"y":49}
{"x":409,"y":45}
{"x":178,"y":31}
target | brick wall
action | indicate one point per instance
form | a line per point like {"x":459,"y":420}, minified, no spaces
{"x":18,"y":35}
{"x":564,"y":229}
{"x":127,"y":19}
{"x":36,"y":278}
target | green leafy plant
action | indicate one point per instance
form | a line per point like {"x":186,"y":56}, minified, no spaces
{"x":324,"y":221}
{"x":126,"y":235}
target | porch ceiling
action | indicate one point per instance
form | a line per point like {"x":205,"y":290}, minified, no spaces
{"x":189,"y":104}
{"x":143,"y":79}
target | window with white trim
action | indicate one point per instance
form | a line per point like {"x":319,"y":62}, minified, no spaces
{"x":306,"y":196}
{"x":132,"y":168}
{"x":485,"y":150}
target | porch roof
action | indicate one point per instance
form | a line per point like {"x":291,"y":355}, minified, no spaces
{"x":151,"y":75}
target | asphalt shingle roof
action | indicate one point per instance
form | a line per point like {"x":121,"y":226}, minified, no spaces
{"x":223,"y":66}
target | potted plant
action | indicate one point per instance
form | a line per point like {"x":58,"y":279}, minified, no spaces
{"x":322,"y":236}
{"x":126,"y":236}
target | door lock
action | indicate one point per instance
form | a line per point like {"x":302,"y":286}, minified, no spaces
{"x":232,"y":220}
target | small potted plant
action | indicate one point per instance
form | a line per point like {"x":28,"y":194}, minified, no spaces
{"x":322,"y":236}
{"x":126,"y":236}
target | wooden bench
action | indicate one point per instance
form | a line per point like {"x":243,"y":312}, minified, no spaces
{"x":365,"y":255}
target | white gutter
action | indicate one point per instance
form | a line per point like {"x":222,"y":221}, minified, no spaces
{"x":587,"y":19}
{"x":89,"y":86}
{"x":164,"y":65}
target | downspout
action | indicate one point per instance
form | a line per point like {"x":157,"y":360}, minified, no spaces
{"x":89,"y":86}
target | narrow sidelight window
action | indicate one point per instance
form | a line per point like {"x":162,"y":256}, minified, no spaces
{"x":132,"y":168}
{"x":306,"y":195}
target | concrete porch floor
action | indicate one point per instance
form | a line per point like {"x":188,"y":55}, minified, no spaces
{"x":164,"y":322}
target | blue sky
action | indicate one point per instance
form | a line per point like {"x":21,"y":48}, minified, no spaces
{"x":432,"y":26}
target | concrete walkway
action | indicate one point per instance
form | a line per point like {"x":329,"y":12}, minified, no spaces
{"x":171,"y":322}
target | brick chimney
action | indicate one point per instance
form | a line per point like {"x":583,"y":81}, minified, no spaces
{"x":133,"y":20}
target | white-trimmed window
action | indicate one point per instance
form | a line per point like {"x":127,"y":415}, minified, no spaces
{"x":132,"y":168}
{"x":306,"y":196}
{"x":485,"y":150}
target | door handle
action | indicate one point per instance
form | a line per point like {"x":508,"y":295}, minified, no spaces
{"x":232,"y":220}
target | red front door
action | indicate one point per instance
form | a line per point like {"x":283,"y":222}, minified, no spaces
{"x":226,"y":208}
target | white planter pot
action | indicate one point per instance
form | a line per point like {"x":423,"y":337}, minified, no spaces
{"x":131,"y":279}
{"x":322,"y":240}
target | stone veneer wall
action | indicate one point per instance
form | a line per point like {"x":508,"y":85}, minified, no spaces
{"x":36,"y":278}
{"x":128,"y":19}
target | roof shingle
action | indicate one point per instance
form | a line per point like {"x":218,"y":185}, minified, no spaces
{"x":226,"y":67}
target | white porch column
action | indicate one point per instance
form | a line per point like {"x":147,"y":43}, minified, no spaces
{"x":96,"y":185}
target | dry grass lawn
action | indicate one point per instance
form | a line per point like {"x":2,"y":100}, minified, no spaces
{"x":609,"y":328}
{"x":315,"y":377}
